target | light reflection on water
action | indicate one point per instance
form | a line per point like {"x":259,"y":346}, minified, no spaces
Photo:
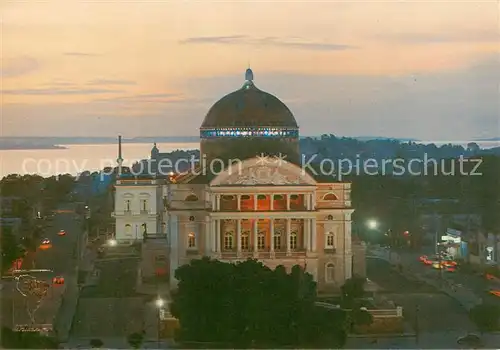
{"x":76,"y":158}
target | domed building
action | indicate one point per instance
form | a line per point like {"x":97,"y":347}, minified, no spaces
{"x":266,"y":208}
{"x":249,"y":122}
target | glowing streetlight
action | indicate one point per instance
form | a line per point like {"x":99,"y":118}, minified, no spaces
{"x":112,"y":242}
{"x":372,"y":224}
{"x":159,"y":302}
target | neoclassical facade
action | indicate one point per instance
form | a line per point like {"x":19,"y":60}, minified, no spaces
{"x":262,"y":207}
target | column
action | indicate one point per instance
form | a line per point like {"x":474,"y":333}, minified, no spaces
{"x":255,"y":202}
{"x":214,"y":202}
{"x":217,"y":236}
{"x":255,"y":237}
{"x":271,"y":203}
{"x":238,"y":237}
{"x":238,"y":198}
{"x":307,"y":234}
{"x":313,"y":201}
{"x":174,"y":250}
{"x":218,"y":202}
{"x":213,"y":230}
{"x":313,"y":235}
{"x":287,"y":201}
{"x":207,"y":235}
{"x":271,"y":233}
{"x":288,"y":229}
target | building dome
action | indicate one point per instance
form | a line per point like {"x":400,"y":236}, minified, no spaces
{"x":249,"y":107}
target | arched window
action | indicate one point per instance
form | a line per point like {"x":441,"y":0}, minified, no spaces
{"x":330,"y":240}
{"x":191,"y":240}
{"x":127,"y":204}
{"x":144,"y":229}
{"x":261,"y":197}
{"x":293,"y":240}
{"x":163,"y":227}
{"x":294,"y":197}
{"x":261,"y":240}
{"x":245,"y":240}
{"x":245,"y":197}
{"x":228,"y":241}
{"x":191,"y":198}
{"x":277,"y":240}
{"x":128,"y":229}
{"x":330,"y":217}
{"x":144,"y":205}
{"x":191,"y":218}
{"x":330,"y":272}
{"x":227,"y":198}
{"x":278,"y":197}
{"x":330,"y":197}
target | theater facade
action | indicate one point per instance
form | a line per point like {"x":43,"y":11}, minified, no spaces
{"x":249,"y":198}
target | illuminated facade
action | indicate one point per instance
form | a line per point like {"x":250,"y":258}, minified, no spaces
{"x":265,"y":208}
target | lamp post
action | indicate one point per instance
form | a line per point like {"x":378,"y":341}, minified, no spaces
{"x":159,"y":305}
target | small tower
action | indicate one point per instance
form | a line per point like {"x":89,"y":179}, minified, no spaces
{"x":248,"y":78}
{"x":119,"y":160}
{"x":154,"y":151}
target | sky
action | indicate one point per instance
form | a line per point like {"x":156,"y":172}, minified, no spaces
{"x":428,"y":70}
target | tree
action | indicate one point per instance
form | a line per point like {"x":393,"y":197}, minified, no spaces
{"x":10,"y":248}
{"x":135,"y":339}
{"x":96,"y":343}
{"x":486,"y":317}
{"x":249,"y":305}
{"x":352,"y":289}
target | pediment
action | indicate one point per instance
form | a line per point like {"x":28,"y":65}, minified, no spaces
{"x":254,"y":172}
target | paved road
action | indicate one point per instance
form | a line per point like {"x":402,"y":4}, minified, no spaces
{"x":436,"y":311}
{"x":60,"y":257}
{"x":479,"y":285}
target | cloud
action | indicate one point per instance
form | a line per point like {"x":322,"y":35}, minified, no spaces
{"x":111,"y":82}
{"x":49,"y":91}
{"x":146,"y":98}
{"x":295,"y":43}
{"x":444,"y":38}
{"x":18,"y":66}
{"x":80,"y":54}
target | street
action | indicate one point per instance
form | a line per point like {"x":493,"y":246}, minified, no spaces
{"x":436,"y":311}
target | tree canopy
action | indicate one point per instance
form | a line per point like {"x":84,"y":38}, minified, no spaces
{"x":249,"y":305}
{"x":10,"y":248}
{"x":486,"y":317}
{"x":26,"y":340}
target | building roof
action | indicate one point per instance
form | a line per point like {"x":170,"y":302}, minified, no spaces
{"x":249,"y":107}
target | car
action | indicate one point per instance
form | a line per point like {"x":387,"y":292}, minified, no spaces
{"x":46,"y":241}
{"x":61,"y":233}
{"x":495,"y":293}
{"x":472,"y":340}
{"x":423,"y":258}
{"x":58,"y":280}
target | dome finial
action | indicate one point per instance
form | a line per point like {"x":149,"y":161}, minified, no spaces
{"x":249,"y":74}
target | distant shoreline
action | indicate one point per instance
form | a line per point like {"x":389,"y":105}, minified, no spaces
{"x":30,"y":147}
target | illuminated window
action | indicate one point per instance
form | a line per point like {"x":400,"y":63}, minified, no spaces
{"x":330,"y":272}
{"x":330,"y":197}
{"x":277,"y":240}
{"x":330,"y":240}
{"x":228,"y":241}
{"x":191,"y":240}
{"x":261,"y":240}
{"x":128,"y":229}
{"x":293,"y":240}
{"x":245,"y":240}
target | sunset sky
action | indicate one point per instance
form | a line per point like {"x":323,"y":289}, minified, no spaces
{"x":426,"y":70}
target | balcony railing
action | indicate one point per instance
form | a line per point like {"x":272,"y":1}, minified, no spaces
{"x":262,"y":254}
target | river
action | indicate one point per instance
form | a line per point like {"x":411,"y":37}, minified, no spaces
{"x":75,"y":159}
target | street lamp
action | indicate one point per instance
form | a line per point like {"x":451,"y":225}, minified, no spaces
{"x":112,"y":242}
{"x":372,"y":224}
{"x":159,"y":304}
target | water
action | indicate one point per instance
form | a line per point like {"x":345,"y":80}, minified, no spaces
{"x":75,"y":159}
